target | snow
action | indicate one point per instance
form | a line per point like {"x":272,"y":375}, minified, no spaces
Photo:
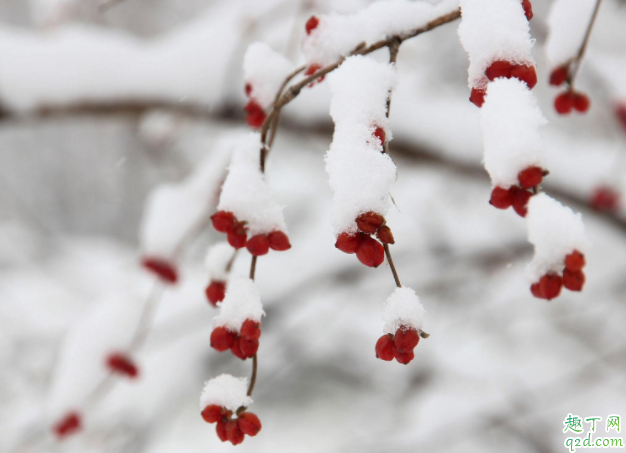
{"x":493,"y":30}
{"x":217,"y":259}
{"x":52,"y":12}
{"x":265,"y":70}
{"x":403,"y":308}
{"x":567,"y":22}
{"x":337,"y":35}
{"x":555,"y":231}
{"x":226,"y":391}
{"x":245,"y":192}
{"x":510,"y":120}
{"x":242,"y":301}
{"x":359,"y":174}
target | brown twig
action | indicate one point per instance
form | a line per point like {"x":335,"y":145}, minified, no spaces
{"x":574,"y":63}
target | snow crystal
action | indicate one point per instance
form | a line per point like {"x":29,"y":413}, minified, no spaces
{"x":359,"y":174}
{"x":265,"y":70}
{"x":242,"y":301}
{"x":245,"y":192}
{"x":403,"y":308}
{"x":493,"y":30}
{"x":510,"y":120}
{"x":567,"y":23}
{"x":217,"y":259}
{"x":555,"y":231}
{"x":225,"y":391}
{"x":337,"y":35}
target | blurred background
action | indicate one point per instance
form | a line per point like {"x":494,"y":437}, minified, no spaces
{"x":103,"y":102}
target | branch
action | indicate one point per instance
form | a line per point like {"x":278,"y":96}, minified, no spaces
{"x":575,"y":62}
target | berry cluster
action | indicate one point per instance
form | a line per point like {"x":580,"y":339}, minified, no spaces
{"x":507,"y":70}
{"x":243,"y":345}
{"x":161,"y":268}
{"x":368,"y":250}
{"x":215,"y":292}
{"x":121,"y":364}
{"x":258,"y":245}
{"x":549,"y":286}
{"x":68,"y":425}
{"x":309,"y":26}
{"x":568,"y":100}
{"x":231,"y":429}
{"x":399,"y":346}
{"x":605,"y":198}
{"x":517,"y":196}
{"x":528,"y":9}
{"x":255,"y":115}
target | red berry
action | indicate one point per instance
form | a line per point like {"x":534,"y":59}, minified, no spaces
{"x":385,"y":348}
{"x":477,"y":97}
{"x":536,"y":291}
{"x":528,"y":9}
{"x":236,"y":349}
{"x":526,"y":74}
{"x":279,"y":241}
{"x":559,"y":75}
{"x":312,"y":70}
{"x":250,"y":330}
{"x":550,"y":285}
{"x":499,"y":68}
{"x":348,"y":243}
{"x":237,"y":236}
{"x":501,"y":198}
{"x":369,"y":222}
{"x":248,"y":89}
{"x":620,"y":112}
{"x":406,"y":339}
{"x":404,"y":357}
{"x":233,"y":433}
{"x":212,"y":413}
{"x":162,"y":269}
{"x":384,"y":235}
{"x":581,"y":102}
{"x":248,"y":347}
{"x":255,"y":114}
{"x":249,"y":423}
{"x":220,"y":428}
{"x":564,"y":103}
{"x":573,"y":280}
{"x":575,"y":261}
{"x":121,"y":364}
{"x":311,"y":24}
{"x":223,"y":221}
{"x":370,"y":252}
{"x":258,"y":245}
{"x":379,"y":133}
{"x":222,"y":338}
{"x":70,"y":424}
{"x":215,"y":292}
{"x":605,"y":198}
{"x":520,"y":200}
{"x":530,"y":177}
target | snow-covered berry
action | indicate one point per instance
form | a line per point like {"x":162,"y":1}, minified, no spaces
{"x":311,"y":24}
{"x":501,"y":198}
{"x":477,"y":97}
{"x":258,"y":245}
{"x":573,"y":280}
{"x":530,"y":177}
{"x":349,"y":243}
{"x":279,"y":241}
{"x":550,"y":286}
{"x":214,"y":413}
{"x":215,"y":292}
{"x":223,"y":221}
{"x":379,"y":133}
{"x":237,"y":236}
{"x":528,"y":9}
{"x":255,"y":115}
{"x":519,"y":201}
{"x":370,"y":252}
{"x":406,"y":339}
{"x":369,"y":222}
{"x":250,"y":330}
{"x":222,"y":339}
{"x":249,"y":423}
{"x":575,"y":261}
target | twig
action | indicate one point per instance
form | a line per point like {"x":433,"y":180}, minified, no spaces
{"x":576,"y":61}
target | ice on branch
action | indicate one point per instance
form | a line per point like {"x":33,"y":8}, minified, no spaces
{"x":568,"y":21}
{"x":264,"y":72}
{"x":494,"y":30}
{"x":403,"y":309}
{"x":337,"y":35}
{"x":245,"y":192}
{"x":555,"y":231}
{"x":360,"y":174}
{"x":225,"y":391}
{"x":217,"y":259}
{"x":510,"y":120}
{"x":242,"y":301}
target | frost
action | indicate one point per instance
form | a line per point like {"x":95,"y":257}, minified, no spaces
{"x":493,"y":30}
{"x":359,"y":174}
{"x":510,"y":120}
{"x":245,"y":192}
{"x":242,"y":302}
{"x":567,"y":21}
{"x":403,"y":308}
{"x":217,"y":259}
{"x":555,"y":231}
{"x":265,"y":70}
{"x":226,"y":391}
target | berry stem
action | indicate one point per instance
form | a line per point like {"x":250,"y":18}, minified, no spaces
{"x":575,"y":63}
{"x":392,"y":266}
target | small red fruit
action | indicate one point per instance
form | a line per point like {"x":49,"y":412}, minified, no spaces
{"x":499,"y":68}
{"x":404,"y":357}
{"x":379,"y":133}
{"x":258,"y":245}
{"x":536,"y":291}
{"x":250,"y":330}
{"x":215,"y":292}
{"x":550,"y":285}
{"x":223,"y":221}
{"x":121,"y":364}
{"x":385,"y":348}
{"x":520,"y":201}
{"x":255,"y":115}
{"x":406,"y":339}
{"x":528,"y":9}
{"x":526,"y":74}
{"x":212,"y":413}
{"x":384,"y":235}
{"x":249,"y":423}
{"x":312,"y":70}
{"x":311,"y":24}
{"x":477,"y":97}
{"x":248,"y":89}
{"x":605,"y":198}
{"x":248,"y":347}
{"x":558,"y":76}
{"x":575,"y":261}
{"x":237,"y":236}
{"x":279,"y":241}
{"x":348,"y":243}
{"x":369,"y":222}
{"x":233,"y":433}
{"x":573,"y":280}
{"x":501,"y":198}
{"x":370,"y":252}
{"x":222,"y":338}
{"x":161,"y":268}
{"x":530,"y":177}
{"x":236,"y":349}
{"x":70,"y":424}
{"x":220,"y":429}
{"x":581,"y":102}
{"x":564,"y":103}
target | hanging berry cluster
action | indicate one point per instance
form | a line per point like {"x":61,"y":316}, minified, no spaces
{"x":573,"y":278}
{"x":243,"y":344}
{"x":569,"y":99}
{"x":368,"y":250}
{"x":231,"y":429}
{"x":257,"y":245}
{"x":398,"y":346}
{"x":517,"y":196}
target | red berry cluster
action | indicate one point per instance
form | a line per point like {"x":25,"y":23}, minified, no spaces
{"x":605,"y":198}
{"x":399,"y":346}
{"x":243,"y":345}
{"x":568,"y":100}
{"x":368,"y":250}
{"x":226,"y":222}
{"x":121,"y":364}
{"x":549,"y":286}
{"x":68,"y":425}
{"x":528,"y":9}
{"x":518,"y":196}
{"x":161,"y":268}
{"x":231,"y":429}
{"x":255,"y":115}
{"x":507,"y":70}
{"x":215,"y":292}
